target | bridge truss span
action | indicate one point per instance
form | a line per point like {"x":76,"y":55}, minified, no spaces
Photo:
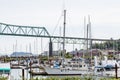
{"x":32,"y":31}
{"x":17,"y":30}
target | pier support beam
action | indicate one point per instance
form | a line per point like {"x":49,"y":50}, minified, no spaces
{"x":116,"y":71}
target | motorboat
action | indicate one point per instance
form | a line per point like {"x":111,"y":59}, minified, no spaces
{"x":5,"y":70}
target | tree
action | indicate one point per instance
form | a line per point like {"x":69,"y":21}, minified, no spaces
{"x":68,"y":55}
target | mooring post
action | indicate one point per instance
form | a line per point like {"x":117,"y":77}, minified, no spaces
{"x":23,"y":75}
{"x":116,"y":71}
{"x":30,"y":70}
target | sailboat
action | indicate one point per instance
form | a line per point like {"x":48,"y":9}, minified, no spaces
{"x":68,"y":68}
{"x":64,"y":67}
{"x":106,"y":67}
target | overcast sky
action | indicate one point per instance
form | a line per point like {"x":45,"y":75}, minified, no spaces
{"x":105,"y":15}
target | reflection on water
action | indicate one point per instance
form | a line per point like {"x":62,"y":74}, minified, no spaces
{"x":16,"y":74}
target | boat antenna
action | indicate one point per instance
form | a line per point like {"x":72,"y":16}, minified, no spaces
{"x":84,"y":27}
{"x":30,"y":48}
{"x":63,"y":4}
{"x":16,"y":46}
{"x":89,"y":23}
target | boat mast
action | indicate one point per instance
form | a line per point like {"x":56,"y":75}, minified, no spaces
{"x":64,"y":24}
{"x":90,"y":36}
{"x":84,"y":35}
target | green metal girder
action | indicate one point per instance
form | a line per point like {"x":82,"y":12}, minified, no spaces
{"x":16,"y":30}
{"x":32,"y":31}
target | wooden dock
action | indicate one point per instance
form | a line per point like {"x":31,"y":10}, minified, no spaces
{"x":46,"y":74}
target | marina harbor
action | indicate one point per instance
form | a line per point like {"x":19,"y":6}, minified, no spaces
{"x":59,"y":40}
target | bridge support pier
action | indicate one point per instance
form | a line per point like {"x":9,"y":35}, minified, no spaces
{"x":50,"y":48}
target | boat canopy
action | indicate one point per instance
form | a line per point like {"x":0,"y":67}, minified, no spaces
{"x":5,"y":68}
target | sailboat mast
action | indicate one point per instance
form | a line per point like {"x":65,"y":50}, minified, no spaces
{"x":64,"y":24}
{"x":84,"y":34}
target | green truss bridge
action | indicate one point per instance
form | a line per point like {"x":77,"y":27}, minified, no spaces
{"x":32,"y":31}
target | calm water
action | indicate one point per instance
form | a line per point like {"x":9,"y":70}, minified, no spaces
{"x":16,"y":74}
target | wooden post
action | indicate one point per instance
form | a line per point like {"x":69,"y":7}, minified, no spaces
{"x":23,"y":74}
{"x":18,"y":61}
{"x":116,"y":71}
{"x":30,"y":70}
